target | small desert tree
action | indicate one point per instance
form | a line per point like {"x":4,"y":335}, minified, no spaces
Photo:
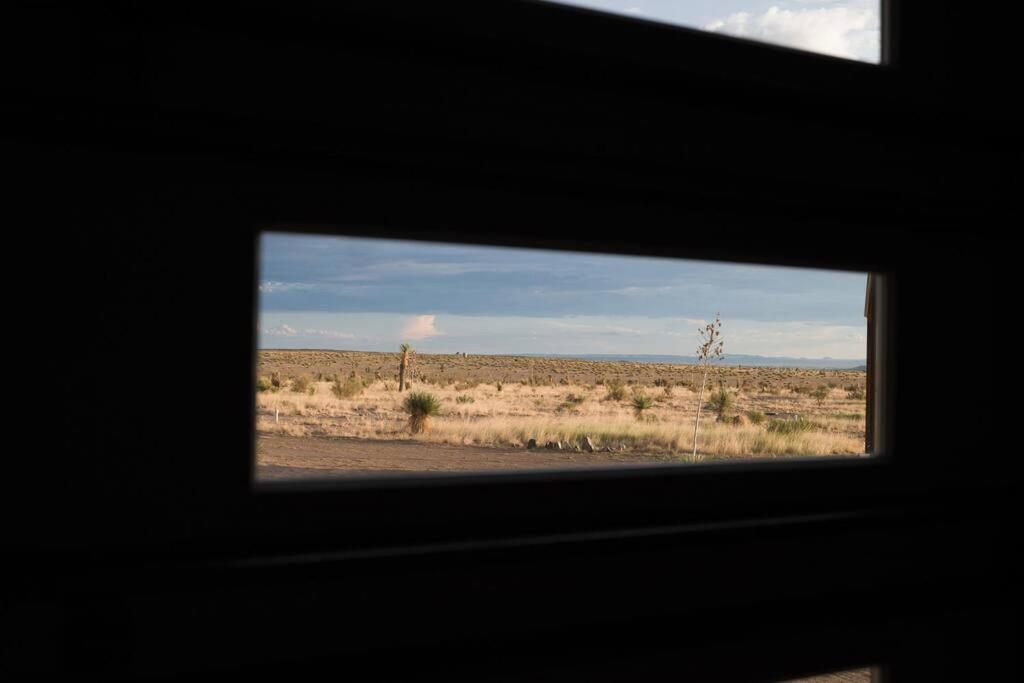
{"x":420,"y":405}
{"x":708,"y":351}
{"x":403,"y":365}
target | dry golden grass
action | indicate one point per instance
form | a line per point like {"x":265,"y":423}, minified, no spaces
{"x":567,"y":413}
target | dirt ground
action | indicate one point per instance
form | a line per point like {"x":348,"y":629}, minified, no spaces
{"x":288,"y":457}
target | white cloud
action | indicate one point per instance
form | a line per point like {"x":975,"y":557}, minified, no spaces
{"x":284,"y":330}
{"x":328,"y":333}
{"x":269,"y":286}
{"x":280,"y":331}
{"x":420,"y":327}
{"x":850,"y":31}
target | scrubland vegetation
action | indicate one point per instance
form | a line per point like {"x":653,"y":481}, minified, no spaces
{"x":569,"y":404}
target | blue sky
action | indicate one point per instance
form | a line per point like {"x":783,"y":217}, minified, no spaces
{"x":842,"y":28}
{"x":369,"y":294}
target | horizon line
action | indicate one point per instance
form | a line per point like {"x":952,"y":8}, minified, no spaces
{"x":856,"y":361}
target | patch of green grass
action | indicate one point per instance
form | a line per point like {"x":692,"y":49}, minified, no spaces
{"x":791,"y":426}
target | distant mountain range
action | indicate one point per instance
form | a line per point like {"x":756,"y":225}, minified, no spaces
{"x":730,"y":359}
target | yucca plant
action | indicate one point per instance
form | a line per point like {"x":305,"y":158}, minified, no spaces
{"x":721,"y":402}
{"x":708,"y":351}
{"x":403,"y":365}
{"x":640,"y":404}
{"x":421,"y":406}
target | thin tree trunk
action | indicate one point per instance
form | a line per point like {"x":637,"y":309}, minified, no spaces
{"x":700,"y":402}
{"x":401,"y":375}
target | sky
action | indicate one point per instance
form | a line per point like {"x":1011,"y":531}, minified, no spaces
{"x":841,"y":28}
{"x":373,"y":294}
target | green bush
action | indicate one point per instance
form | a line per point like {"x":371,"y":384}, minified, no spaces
{"x":420,"y":406}
{"x":756,"y":417}
{"x":263,"y":384}
{"x":350,"y":388}
{"x":721,"y":402}
{"x":465,"y":399}
{"x":640,"y":404}
{"x":616,"y":390}
{"x":300,"y":385}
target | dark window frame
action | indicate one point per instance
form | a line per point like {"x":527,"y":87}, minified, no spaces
{"x":884,"y":14}
{"x":334,"y":515}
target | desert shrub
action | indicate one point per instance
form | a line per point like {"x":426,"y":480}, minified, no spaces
{"x":466,"y":386}
{"x":275,"y":380}
{"x":640,"y":404}
{"x":263,"y":384}
{"x":574,"y":399}
{"x":667,"y":390}
{"x":855,"y":394}
{"x":350,"y":388}
{"x":420,"y":406}
{"x":300,"y":385}
{"x":820,"y":394}
{"x":616,"y":390}
{"x":498,"y":385}
{"x":796,"y":426}
{"x":659,"y":382}
{"x":465,"y":399}
{"x":721,"y":402}
{"x":312,"y":389}
{"x":756,"y":417}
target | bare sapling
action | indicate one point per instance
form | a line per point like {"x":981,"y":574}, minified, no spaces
{"x":708,"y":351}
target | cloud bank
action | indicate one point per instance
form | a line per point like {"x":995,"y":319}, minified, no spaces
{"x":846,"y":31}
{"x":420,"y":327}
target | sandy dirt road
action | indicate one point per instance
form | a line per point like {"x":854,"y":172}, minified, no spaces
{"x":289,"y":457}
